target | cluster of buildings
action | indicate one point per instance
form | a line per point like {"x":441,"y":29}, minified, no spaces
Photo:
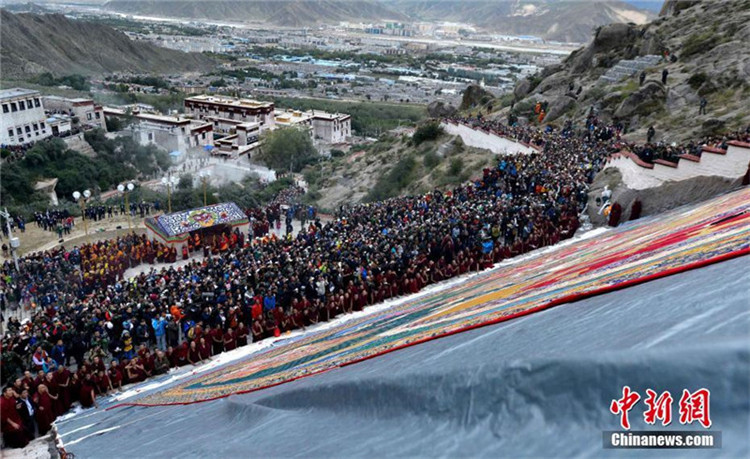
{"x":219,"y":124}
{"x":229,"y":126}
{"x":28,"y":116}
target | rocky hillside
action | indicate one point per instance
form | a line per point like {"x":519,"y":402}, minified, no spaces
{"x":33,"y":44}
{"x":703,"y":47}
{"x":566,"y":20}
{"x":394,"y":167}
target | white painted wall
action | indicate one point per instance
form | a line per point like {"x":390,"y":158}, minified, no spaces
{"x":732,"y":165}
{"x":492,"y":142}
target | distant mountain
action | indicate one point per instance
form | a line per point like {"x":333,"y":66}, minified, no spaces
{"x":25,"y":8}
{"x":563,"y":20}
{"x":288,"y":13}
{"x":33,"y":44}
{"x":569,"y":21}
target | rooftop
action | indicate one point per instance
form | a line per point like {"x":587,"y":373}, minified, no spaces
{"x":329,"y":116}
{"x":17,"y":92}
{"x":230,"y":101}
{"x":162,"y":119}
{"x":291,"y":116}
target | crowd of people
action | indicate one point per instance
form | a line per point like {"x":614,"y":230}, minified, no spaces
{"x":13,"y":153}
{"x":651,"y":151}
{"x":59,"y":220}
{"x":121,"y":330}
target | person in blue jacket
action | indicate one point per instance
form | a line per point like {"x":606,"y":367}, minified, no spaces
{"x":160,"y":328}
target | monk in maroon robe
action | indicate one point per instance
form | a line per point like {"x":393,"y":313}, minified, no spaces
{"x":11,"y":424}
{"x":54,"y":393}
{"x":87,"y":395}
{"x":230,"y":340}
{"x":62,"y":378}
{"x":242,"y":333}
{"x":204,"y":349}
{"x":45,"y":414}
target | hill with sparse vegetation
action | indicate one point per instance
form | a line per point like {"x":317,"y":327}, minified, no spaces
{"x":33,"y":44}
{"x":395,"y":165}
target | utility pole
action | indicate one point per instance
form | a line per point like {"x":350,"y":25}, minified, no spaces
{"x":14,"y":242}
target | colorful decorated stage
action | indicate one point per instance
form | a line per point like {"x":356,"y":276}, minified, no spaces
{"x":638,"y":252}
{"x":175,"y":228}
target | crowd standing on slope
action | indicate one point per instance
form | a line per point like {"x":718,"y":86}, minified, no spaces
{"x":651,"y":151}
{"x":244,"y":289}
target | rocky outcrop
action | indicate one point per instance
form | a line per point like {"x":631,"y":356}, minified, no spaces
{"x":703,"y":47}
{"x":522,"y":89}
{"x":439,"y":109}
{"x":559,"y":106}
{"x":474,"y":96}
{"x":649,"y":97}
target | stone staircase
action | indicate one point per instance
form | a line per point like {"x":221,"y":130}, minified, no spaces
{"x":730,"y":163}
{"x":78,"y":143}
{"x":629,"y":67}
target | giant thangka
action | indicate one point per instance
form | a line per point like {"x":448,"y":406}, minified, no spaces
{"x":175,"y":227}
{"x":637,"y":252}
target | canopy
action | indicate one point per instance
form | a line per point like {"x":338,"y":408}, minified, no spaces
{"x":175,"y":227}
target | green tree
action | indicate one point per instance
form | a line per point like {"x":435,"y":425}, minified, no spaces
{"x":186,"y":182}
{"x":288,"y":149}
{"x":427,"y":131}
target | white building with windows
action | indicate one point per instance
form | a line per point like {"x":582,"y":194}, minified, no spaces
{"x":23,"y":118}
{"x":328,"y":128}
{"x":206,"y":107}
{"x":331,"y":128}
{"x":172,"y":133}
{"x":88,"y":114}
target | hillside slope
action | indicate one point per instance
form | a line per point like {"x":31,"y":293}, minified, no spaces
{"x":555,"y":20}
{"x":34,"y":44}
{"x":394,"y":167}
{"x":567,"y":21}
{"x":706,"y":51}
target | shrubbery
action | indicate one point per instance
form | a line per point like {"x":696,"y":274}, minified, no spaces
{"x":116,"y":161}
{"x":78,"y":82}
{"x":697,"y":79}
{"x":394,"y":181}
{"x":427,"y":131}
{"x":288,"y":149}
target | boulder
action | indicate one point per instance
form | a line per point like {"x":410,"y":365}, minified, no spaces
{"x":646,"y":99}
{"x":614,"y":36}
{"x":712,"y":126}
{"x":522,"y":89}
{"x":557,"y":83}
{"x":559,"y":106}
{"x":611,"y":99}
{"x":439,"y":109}
{"x":475,"y":95}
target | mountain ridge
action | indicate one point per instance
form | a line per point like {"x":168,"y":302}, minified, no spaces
{"x":34,"y":43}
{"x":566,"y":20}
